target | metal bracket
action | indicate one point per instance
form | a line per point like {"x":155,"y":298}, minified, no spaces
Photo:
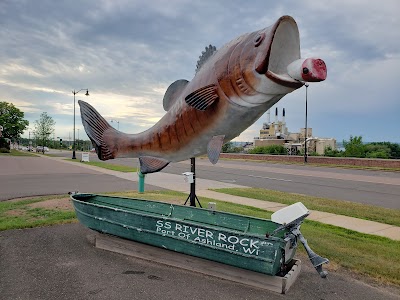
{"x":315,"y":259}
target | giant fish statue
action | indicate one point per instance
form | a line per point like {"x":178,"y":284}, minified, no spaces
{"x":232,"y":88}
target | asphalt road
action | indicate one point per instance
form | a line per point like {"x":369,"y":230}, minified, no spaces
{"x":36,"y":176}
{"x":366,"y":187}
{"x":59,"y":262}
{"x":377,"y":188}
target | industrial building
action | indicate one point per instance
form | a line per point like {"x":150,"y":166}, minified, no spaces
{"x":277,"y":133}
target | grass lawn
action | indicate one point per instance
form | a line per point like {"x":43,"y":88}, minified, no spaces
{"x":369,"y":256}
{"x":346,"y":208}
{"x":108,"y":166}
{"x":316,"y":164}
{"x":14,"y":152}
{"x":27,"y":214}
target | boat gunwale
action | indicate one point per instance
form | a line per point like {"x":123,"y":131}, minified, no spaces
{"x":179,"y":205}
{"x":187,"y":221}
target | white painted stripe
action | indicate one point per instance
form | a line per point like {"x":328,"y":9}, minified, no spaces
{"x":272,"y":178}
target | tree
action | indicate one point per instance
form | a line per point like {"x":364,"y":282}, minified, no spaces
{"x":354,"y":147}
{"x":383,"y":149}
{"x":44,"y":127}
{"x":229,"y":148}
{"x":226,"y":148}
{"x":12,"y":120}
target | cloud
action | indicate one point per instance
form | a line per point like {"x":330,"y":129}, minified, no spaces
{"x":127,"y":53}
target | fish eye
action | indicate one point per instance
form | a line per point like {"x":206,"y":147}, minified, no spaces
{"x":258,"y":40}
{"x":305,"y":71}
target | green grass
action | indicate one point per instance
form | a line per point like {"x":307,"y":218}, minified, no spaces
{"x":14,"y":152}
{"x":369,"y":256}
{"x":345,"y":208}
{"x":108,"y":166}
{"x":376,"y":257}
{"x":18,"y":214}
{"x":386,"y":169}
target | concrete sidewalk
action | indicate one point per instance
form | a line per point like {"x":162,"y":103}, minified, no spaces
{"x":203,"y":186}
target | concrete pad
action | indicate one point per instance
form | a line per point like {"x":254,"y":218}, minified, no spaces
{"x":270,"y":206}
{"x":177,"y":183}
{"x":254,"y":279}
{"x":359,"y":225}
{"x":319,"y":215}
{"x":392,"y":233}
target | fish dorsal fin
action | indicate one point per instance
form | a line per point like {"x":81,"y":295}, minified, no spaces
{"x":173,"y":92}
{"x":205,"y":55}
{"x":214,"y":148}
{"x":150,"y":164}
{"x":202,"y":98}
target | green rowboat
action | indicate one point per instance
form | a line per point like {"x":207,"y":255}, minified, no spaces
{"x":251,"y":243}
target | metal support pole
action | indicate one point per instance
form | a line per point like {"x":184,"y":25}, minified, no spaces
{"x":192,"y":196}
{"x":73,"y":145}
{"x":305,"y":137}
{"x":141,"y":182}
{"x":193,"y":184}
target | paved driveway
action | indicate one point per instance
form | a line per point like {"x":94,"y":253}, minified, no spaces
{"x":58,"y":262}
{"x":32,"y":176}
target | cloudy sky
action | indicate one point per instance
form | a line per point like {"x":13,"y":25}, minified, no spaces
{"x":127,"y":53}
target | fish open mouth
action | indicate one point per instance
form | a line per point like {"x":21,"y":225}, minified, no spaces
{"x":284,"y":48}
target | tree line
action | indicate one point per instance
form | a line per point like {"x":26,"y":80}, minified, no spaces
{"x":354,"y":147}
{"x":13,"y":125}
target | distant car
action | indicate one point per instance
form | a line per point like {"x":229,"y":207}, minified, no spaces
{"x":92,"y":150}
{"x":42,"y":149}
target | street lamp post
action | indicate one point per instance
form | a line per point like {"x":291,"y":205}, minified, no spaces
{"x":30,"y":147}
{"x":29,"y":142}
{"x":73,"y":145}
{"x":305,"y":133}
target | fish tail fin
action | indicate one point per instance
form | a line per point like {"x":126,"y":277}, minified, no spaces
{"x":95,"y":126}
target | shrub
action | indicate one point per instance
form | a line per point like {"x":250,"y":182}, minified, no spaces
{"x":272,"y":149}
{"x":228,"y":148}
{"x":392,"y":149}
{"x":377,"y":154}
{"x":4,"y":145}
{"x":377,"y":151}
{"x":332,"y":152}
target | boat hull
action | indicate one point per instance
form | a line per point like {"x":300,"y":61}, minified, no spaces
{"x":231,"y":239}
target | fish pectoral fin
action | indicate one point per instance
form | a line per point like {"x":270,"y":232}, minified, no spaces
{"x":214,"y":148}
{"x":172,"y":93}
{"x":202,"y":98}
{"x":150,"y":164}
